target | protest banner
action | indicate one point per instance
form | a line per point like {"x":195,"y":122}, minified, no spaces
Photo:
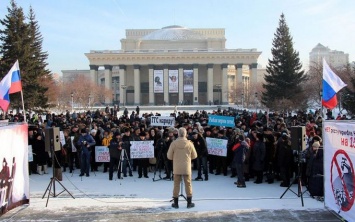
{"x":102,"y":154}
{"x":226,"y":121}
{"x":217,"y":147}
{"x":142,"y":149}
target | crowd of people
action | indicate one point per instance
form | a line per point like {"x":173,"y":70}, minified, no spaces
{"x":259,"y":146}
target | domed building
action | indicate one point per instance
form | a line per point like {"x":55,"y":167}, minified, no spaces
{"x":172,"y":65}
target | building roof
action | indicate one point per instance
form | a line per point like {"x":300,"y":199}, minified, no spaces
{"x":173,"y":33}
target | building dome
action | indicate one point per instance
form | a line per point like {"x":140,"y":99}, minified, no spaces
{"x":174,"y":33}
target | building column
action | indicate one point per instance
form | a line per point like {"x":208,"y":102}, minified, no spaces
{"x":224,"y":86}
{"x":137,"y":85}
{"x":123,"y":86}
{"x":210,"y":83}
{"x":254,"y":74}
{"x":108,"y":82}
{"x":166,"y":85}
{"x":181,"y":83}
{"x":94,"y":74}
{"x":151,"y":84}
{"x":195,"y":94}
{"x":239,"y":78}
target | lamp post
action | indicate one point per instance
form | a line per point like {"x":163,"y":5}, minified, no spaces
{"x":89,"y":100}
{"x":242,"y":100}
{"x":123,"y":87}
{"x":72,"y":102}
{"x":256,"y":101}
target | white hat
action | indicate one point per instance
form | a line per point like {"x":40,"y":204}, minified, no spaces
{"x":93,"y":131}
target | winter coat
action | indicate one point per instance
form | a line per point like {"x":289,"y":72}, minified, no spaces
{"x":200,"y":146}
{"x":115,"y":149}
{"x":181,"y":152}
{"x":240,"y":153}
{"x":39,"y":150}
{"x":259,"y":155}
{"x":284,"y":153}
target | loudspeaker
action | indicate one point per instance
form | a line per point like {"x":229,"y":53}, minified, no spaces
{"x":52,"y":134}
{"x":298,"y":138}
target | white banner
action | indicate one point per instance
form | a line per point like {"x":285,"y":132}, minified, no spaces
{"x":217,"y":147}
{"x":30,"y":153}
{"x":162,"y":121}
{"x":102,"y":154}
{"x":142,"y":149}
{"x":339,"y":159}
{"x":173,"y":81}
{"x":14,"y":180}
{"x":158,"y":81}
{"x":188,"y":81}
{"x":73,"y":148}
{"x":62,"y":138}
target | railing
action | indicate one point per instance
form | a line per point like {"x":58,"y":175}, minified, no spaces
{"x":169,"y":50}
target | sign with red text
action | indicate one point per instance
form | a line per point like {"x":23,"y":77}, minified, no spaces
{"x":102,"y":154}
{"x":339,"y":159}
{"x":217,"y":147}
{"x":142,"y":149}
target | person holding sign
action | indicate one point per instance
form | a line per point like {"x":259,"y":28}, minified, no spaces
{"x":181,"y":152}
{"x":143,"y":163}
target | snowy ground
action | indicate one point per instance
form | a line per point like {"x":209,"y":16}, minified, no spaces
{"x":97,"y":198}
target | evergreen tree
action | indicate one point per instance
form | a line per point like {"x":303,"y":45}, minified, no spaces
{"x":20,"y":39}
{"x":284,"y":78}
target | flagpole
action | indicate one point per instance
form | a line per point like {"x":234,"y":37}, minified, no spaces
{"x":23,"y":107}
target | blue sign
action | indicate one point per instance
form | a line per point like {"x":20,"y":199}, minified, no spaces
{"x":226,"y":121}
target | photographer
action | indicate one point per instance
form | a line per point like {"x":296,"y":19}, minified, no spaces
{"x":85,"y":142}
{"x":126,"y":145}
{"x":115,"y":149}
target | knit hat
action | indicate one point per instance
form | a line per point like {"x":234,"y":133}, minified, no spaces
{"x":316,"y":145}
{"x":83,"y":130}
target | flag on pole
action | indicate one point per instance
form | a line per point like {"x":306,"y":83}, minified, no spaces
{"x":16,"y":85}
{"x":331,"y":85}
{"x":5,"y":85}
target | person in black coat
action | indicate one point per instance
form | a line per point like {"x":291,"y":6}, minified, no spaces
{"x":40,"y":154}
{"x":202,"y":153}
{"x":259,"y":157}
{"x":115,"y":149}
{"x":284,"y":158}
{"x":126,"y":145}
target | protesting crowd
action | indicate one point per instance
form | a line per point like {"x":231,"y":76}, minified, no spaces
{"x":258,"y":148}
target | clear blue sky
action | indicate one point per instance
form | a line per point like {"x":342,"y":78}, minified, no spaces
{"x":71,"y":28}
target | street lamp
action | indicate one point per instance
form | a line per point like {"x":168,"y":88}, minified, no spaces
{"x":123,"y":87}
{"x":242,"y":100}
{"x":72,"y":102}
{"x":256,"y":100}
{"x":89,"y":100}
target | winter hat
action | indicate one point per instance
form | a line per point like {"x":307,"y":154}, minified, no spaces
{"x":316,"y":145}
{"x":83,"y":130}
{"x":93,"y":131}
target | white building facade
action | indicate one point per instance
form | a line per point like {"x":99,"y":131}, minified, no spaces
{"x":172,"y":65}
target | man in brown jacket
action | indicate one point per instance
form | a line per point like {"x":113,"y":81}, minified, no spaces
{"x":181,"y":152}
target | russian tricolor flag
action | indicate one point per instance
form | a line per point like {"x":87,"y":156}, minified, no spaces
{"x":11,"y":83}
{"x":331,"y":85}
{"x":16,"y":85}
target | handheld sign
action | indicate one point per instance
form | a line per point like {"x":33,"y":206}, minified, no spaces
{"x":102,"y":154}
{"x":217,"y":147}
{"x":142,"y":149}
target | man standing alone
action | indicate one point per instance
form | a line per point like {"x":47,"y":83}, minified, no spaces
{"x":181,"y":152}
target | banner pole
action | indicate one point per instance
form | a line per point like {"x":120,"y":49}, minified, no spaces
{"x":23,"y":107}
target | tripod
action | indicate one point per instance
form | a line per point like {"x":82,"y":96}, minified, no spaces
{"x":297,"y":179}
{"x":54,"y":179}
{"x":158,"y":165}
{"x":121,"y":161}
